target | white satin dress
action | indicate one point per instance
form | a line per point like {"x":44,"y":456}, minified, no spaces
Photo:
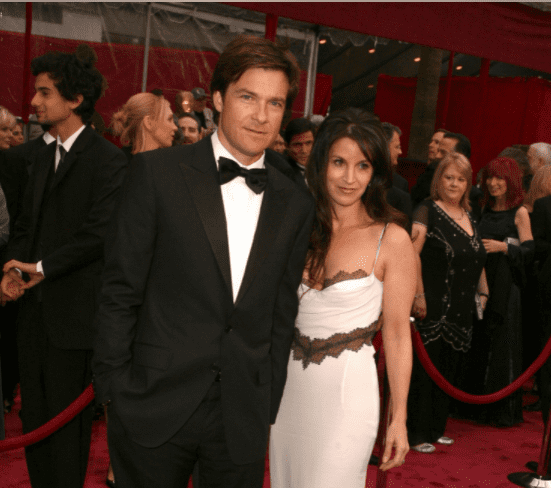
{"x":329,"y":415}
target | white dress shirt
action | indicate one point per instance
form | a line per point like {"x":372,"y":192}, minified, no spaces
{"x":48,"y":138}
{"x":242,"y":208}
{"x":67,"y":146}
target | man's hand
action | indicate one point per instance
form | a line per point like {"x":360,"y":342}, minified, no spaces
{"x":11,"y":286}
{"x":28,"y":268}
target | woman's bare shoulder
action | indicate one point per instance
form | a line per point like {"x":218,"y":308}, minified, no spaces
{"x":396,"y":236}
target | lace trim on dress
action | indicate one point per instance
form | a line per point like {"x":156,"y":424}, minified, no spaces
{"x":344,"y":276}
{"x":316,"y":350}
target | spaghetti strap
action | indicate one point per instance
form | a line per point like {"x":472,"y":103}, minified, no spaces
{"x":379,"y":246}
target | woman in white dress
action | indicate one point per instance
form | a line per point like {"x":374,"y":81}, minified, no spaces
{"x":328,"y":418}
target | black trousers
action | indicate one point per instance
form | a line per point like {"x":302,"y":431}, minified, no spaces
{"x":8,"y":349}
{"x":201,"y":440}
{"x":51,"y":379}
{"x":428,"y":405}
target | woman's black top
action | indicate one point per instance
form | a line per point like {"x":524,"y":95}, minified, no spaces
{"x":452,"y":262}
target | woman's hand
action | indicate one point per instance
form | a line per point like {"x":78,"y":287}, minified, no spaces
{"x":491,"y":245}
{"x":419,"y":309}
{"x":397,"y":439}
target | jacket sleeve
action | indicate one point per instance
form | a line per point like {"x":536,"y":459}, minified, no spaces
{"x":87,"y":242}
{"x":129,"y":248}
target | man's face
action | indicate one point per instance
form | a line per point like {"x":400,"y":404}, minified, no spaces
{"x":17,"y":135}
{"x":5,"y":136}
{"x":300,"y":147}
{"x":533,"y":160}
{"x":251,"y":112}
{"x":434,"y":143}
{"x":395,"y":149}
{"x":278,"y":145}
{"x":49,"y":104}
{"x":190,"y":129}
{"x":447,"y":145}
{"x":200,"y":104}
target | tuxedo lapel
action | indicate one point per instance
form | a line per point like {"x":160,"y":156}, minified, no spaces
{"x":42,"y":166}
{"x":78,"y":146}
{"x":202,"y":180}
{"x":272,"y":211}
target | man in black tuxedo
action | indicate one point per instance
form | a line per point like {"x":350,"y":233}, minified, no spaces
{"x":58,"y":246}
{"x":199,"y":294}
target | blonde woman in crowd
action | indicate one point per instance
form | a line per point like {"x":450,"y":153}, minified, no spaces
{"x":452,"y":260}
{"x":7,"y":124}
{"x":145,"y":122}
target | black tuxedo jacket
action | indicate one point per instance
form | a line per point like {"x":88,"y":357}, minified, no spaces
{"x":28,"y":151}
{"x":541,"y":229}
{"x":73,"y":216}
{"x":167,"y":323}
{"x":400,"y":182}
{"x":401,"y":201}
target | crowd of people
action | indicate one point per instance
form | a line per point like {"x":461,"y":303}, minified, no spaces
{"x":221,"y":274}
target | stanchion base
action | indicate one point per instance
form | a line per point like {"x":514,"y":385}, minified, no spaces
{"x":529,"y":480}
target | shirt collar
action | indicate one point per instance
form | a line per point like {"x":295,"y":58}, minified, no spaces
{"x":71,"y":139}
{"x":221,"y":151}
{"x":48,"y":138}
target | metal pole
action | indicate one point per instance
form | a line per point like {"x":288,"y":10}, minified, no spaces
{"x":271,"y":27}
{"x":447,"y":91}
{"x":311,"y":80}
{"x":146,"y":51}
{"x":27,"y":62}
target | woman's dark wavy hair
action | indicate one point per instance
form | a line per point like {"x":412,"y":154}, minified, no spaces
{"x":366,"y":130}
{"x":73,"y":75}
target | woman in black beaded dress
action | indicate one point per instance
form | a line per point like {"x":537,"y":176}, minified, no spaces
{"x":507,"y":237}
{"x":452,"y":261}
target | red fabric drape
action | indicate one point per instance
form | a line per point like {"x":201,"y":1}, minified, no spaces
{"x":516,"y":111}
{"x":122,"y":65}
{"x":508,"y":32}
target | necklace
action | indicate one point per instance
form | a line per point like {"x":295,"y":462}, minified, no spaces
{"x":457,"y":219}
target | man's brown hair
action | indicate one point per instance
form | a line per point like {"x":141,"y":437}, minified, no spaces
{"x":246,"y":52}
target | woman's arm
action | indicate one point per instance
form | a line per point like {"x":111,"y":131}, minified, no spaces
{"x":419,"y":235}
{"x":522,"y":221}
{"x":483,"y":289}
{"x":400,"y":280}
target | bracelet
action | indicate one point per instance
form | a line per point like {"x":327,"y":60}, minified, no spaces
{"x":483,"y":294}
{"x":420,"y":295}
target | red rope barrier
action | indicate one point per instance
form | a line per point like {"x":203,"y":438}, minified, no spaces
{"x":88,"y":394}
{"x":467,"y":397}
{"x":52,"y":425}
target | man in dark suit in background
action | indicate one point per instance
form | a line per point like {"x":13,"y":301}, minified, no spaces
{"x":15,"y":168}
{"x":199,"y":293}
{"x":299,"y":138}
{"x":393,"y":133}
{"x":29,"y":149}
{"x":541,"y":227}
{"x":421,"y":189}
{"x":397,"y":196}
{"x":58,"y":244}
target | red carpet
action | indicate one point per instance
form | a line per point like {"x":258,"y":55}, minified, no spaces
{"x":480,"y":458}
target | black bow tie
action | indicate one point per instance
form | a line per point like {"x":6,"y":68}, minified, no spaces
{"x":256,"y":179}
